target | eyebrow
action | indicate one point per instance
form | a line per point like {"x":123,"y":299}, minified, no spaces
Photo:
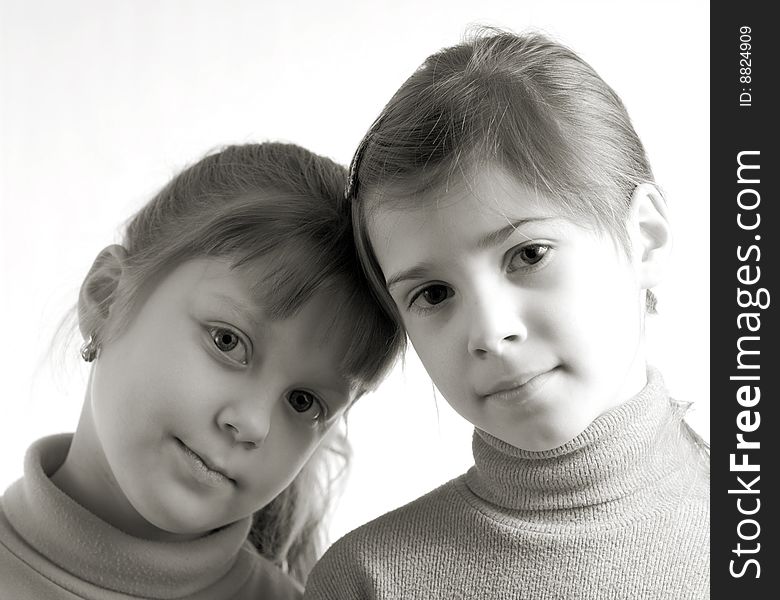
{"x":239,"y":308}
{"x":490,"y":240}
{"x":499,"y":236}
{"x":416,"y":272}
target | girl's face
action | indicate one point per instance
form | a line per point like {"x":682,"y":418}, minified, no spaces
{"x":528,"y":323}
{"x":204,"y":409}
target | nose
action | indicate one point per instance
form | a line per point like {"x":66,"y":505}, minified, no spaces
{"x":246,"y":423}
{"x":495,"y":325}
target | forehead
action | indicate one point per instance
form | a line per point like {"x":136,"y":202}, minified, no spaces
{"x":465,"y":211}
{"x":217,"y":287}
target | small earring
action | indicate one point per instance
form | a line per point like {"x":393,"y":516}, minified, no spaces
{"x":89,"y":350}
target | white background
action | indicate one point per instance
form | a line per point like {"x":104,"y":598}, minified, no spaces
{"x":102,"y":102}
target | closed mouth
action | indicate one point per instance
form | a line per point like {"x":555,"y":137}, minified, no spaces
{"x":203,"y":464}
{"x":520,"y":385}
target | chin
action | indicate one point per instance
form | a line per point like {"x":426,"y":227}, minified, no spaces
{"x":534,"y":445}
{"x":540,"y":437}
{"x":180,"y":517}
{"x":183,"y":528}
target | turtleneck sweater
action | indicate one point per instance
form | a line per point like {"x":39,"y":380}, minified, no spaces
{"x":621,"y":511}
{"x":52,"y":547}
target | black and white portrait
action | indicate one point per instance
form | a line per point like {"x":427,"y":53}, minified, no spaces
{"x":107,"y":108}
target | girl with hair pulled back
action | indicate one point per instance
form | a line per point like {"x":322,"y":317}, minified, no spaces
{"x":227,"y":335}
{"x":507,"y":217}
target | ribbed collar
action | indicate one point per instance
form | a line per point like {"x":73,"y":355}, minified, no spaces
{"x":79,"y":542}
{"x":612,"y":466}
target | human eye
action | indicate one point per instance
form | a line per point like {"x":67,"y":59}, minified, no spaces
{"x":308,"y":404}
{"x":529,"y":256}
{"x":429,"y":297}
{"x":230,"y":344}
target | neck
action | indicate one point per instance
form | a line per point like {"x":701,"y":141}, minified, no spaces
{"x":86,"y":477}
{"x":612,"y":464}
{"x":78,"y":542}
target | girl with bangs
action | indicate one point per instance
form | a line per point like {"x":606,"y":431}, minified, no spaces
{"x":227,"y":334}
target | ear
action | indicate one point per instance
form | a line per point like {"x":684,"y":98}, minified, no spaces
{"x":98,"y":292}
{"x":651,"y":234}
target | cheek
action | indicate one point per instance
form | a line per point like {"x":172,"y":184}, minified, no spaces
{"x":292,"y":436}
{"x":157,"y":386}
{"x":437,"y":345}
{"x":286,"y":451}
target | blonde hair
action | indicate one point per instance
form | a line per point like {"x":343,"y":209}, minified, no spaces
{"x":277,"y":200}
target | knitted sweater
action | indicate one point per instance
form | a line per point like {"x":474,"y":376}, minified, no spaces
{"x":619,"y":512}
{"x":52,"y":547}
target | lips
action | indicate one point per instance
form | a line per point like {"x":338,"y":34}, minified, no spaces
{"x":511,"y":383}
{"x":518,"y":384}
{"x":203,"y":468}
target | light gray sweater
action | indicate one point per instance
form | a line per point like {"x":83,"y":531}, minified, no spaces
{"x":53,"y":548}
{"x":621,"y":511}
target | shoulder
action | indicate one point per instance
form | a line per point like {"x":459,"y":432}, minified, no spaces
{"x":416,"y":520}
{"x":352,"y":566}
